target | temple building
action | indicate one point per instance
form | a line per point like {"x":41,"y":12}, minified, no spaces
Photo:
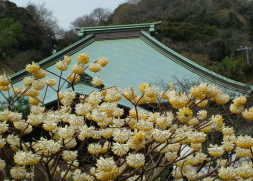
{"x":135,"y":56}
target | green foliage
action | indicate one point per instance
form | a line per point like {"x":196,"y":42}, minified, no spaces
{"x":235,"y":68}
{"x":21,"y":32}
{"x":10,"y":34}
{"x":188,"y":31}
{"x":20,"y":59}
{"x":124,"y":14}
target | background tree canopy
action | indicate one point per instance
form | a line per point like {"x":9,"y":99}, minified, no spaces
{"x":23,"y":36}
{"x":207,"y":31}
{"x":10,"y":33}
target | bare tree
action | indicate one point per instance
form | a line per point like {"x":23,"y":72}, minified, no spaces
{"x":85,"y":20}
{"x":44,"y":17}
{"x":98,"y":16}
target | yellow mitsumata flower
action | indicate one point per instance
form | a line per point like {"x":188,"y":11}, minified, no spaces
{"x":222,"y":98}
{"x":40,"y":75}
{"x":197,"y":137}
{"x":216,"y":151}
{"x":26,"y":158}
{"x":217,"y":121}
{"x":241,"y":152}
{"x":103,"y":62}
{"x":4,"y":88}
{"x":106,"y":169}
{"x":61,"y":65}
{"x":121,"y":135}
{"x":120,"y":149}
{"x":67,"y":59}
{"x":135,"y":160}
{"x":228,"y":173}
{"x":95,"y":148}
{"x":184,"y":114}
{"x":143,"y":86}
{"x":4,"y":80}
{"x":247,"y":114}
{"x":94,"y":67}
{"x":51,"y":82}
{"x":78,"y":69}
{"x":27,"y":81}
{"x":144,"y":125}
{"x":79,"y":176}
{"x":74,"y":78}
{"x":33,"y":68}
{"x":38,"y":84}
{"x":245,"y":170}
{"x":227,"y":131}
{"x":240,"y":100}
{"x":65,"y":132}
{"x":178,"y":100}
{"x":244,"y":141}
{"x":83,"y":58}
{"x":236,"y":109}
{"x":46,"y":147}
{"x":18,"y":173}
{"x":97,"y":82}
{"x":69,"y":155}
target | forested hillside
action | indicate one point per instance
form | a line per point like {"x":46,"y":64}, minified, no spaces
{"x":207,"y":31}
{"x":23,"y":36}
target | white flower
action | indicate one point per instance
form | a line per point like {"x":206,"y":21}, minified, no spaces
{"x":69,"y":155}
{"x":18,"y":173}
{"x":46,"y":147}
{"x":135,"y":160}
{"x":3,"y":127}
{"x":65,"y":132}
{"x":79,"y":176}
{"x":13,"y":140}
{"x":26,"y":158}
{"x":35,"y":119}
{"x":97,"y":82}
{"x":83,"y":108}
{"x":120,"y":149}
{"x":160,"y":136}
{"x":121,"y":135}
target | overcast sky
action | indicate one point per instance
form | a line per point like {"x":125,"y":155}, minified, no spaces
{"x":65,"y":11}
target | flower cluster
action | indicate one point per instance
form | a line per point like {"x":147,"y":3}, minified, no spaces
{"x":91,"y":137}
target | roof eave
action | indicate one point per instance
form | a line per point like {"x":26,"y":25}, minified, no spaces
{"x":15,"y":77}
{"x":204,"y":72}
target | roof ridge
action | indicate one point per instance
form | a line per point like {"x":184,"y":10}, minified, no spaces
{"x":117,"y":27}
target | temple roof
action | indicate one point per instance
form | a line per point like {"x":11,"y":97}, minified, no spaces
{"x":99,"y":29}
{"x":135,"y":56}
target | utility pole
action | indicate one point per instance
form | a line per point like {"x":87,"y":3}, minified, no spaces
{"x":246,"y":49}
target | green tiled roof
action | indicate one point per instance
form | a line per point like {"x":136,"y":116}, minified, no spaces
{"x":134,"y":60}
{"x":198,"y":69}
